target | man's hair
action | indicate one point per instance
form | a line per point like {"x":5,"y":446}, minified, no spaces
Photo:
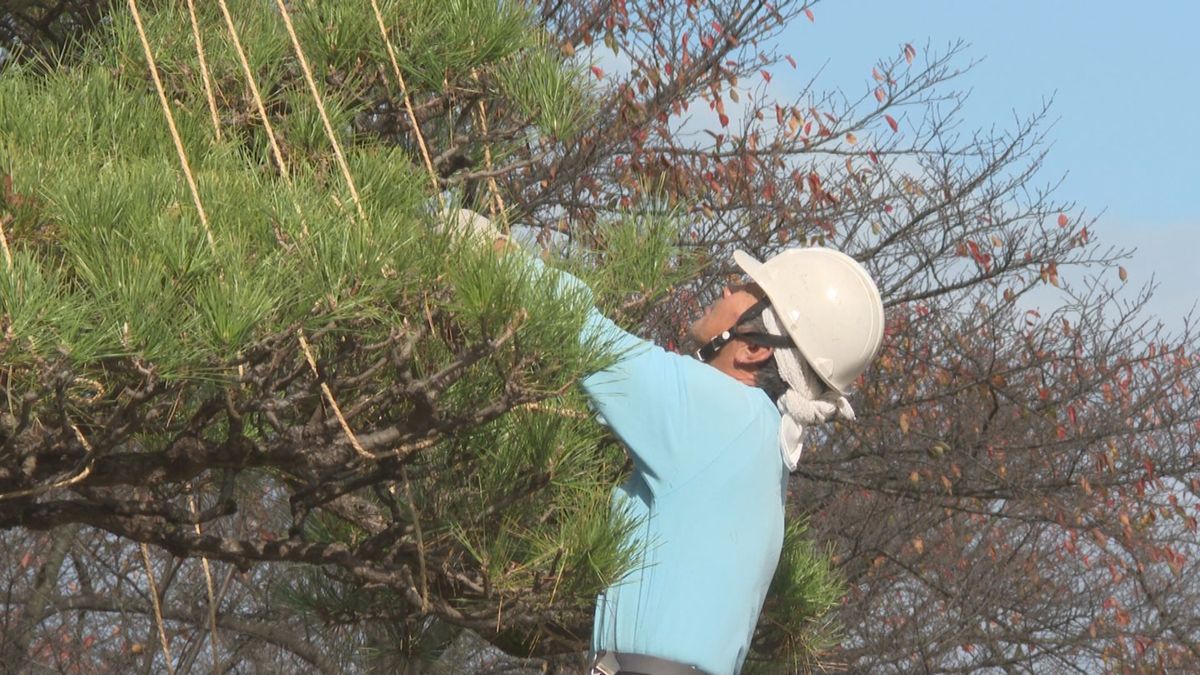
{"x":767,"y":376}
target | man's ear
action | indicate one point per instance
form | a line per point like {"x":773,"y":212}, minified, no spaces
{"x":751,"y":355}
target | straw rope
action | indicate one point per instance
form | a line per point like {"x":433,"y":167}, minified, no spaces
{"x":66,"y":482}
{"x":212,"y":596}
{"x":316,"y":95}
{"x":337,"y":410}
{"x":408,"y":107}
{"x":158,"y":617}
{"x":258,"y":99}
{"x":166,"y":106}
{"x":4,"y":245}
{"x":497,"y":202}
{"x":204,"y":76}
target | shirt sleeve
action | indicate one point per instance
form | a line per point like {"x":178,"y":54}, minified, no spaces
{"x":669,"y":410}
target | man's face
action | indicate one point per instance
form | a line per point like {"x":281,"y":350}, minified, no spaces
{"x":724,"y":311}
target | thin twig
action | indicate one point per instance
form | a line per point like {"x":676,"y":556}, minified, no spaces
{"x":416,"y":522}
{"x":540,"y":406}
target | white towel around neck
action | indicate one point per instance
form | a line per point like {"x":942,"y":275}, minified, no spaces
{"x":807,"y":400}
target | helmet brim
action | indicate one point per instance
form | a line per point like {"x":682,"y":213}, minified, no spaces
{"x":757,"y":271}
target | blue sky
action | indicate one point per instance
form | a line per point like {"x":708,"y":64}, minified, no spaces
{"x":1126,"y":87}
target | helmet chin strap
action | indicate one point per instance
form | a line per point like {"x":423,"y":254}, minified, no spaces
{"x":709,"y":350}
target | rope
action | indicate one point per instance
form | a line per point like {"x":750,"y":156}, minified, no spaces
{"x":258,"y":100}
{"x":262,"y":110}
{"x":158,"y":617}
{"x":4,"y":245}
{"x":166,"y":106}
{"x":208,"y":581}
{"x":497,"y":207}
{"x":337,"y":411}
{"x":208,"y":91}
{"x":87,"y":471}
{"x":312,"y":87}
{"x":412,"y":116}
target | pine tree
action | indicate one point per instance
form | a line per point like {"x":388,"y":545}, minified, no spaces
{"x":235,"y":326}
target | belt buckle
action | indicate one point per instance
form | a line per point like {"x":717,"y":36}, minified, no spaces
{"x":606,"y":664}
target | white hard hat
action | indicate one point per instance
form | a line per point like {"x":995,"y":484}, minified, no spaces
{"x":828,"y":305}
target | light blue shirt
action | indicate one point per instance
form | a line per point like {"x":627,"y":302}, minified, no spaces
{"x":707,"y":490}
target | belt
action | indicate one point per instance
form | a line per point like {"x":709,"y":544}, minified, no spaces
{"x":620,"y":663}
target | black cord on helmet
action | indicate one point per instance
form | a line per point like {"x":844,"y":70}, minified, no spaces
{"x":713,"y":347}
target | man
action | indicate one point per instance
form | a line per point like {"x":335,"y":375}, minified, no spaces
{"x":713,"y":439}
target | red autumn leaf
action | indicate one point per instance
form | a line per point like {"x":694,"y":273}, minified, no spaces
{"x":1063,"y":220}
{"x":872,"y":156}
{"x":892,"y":122}
{"x":879,"y":95}
{"x":724,"y":119}
{"x":765,"y":75}
{"x":877,"y":75}
{"x":809,"y":13}
{"x":1122,"y":273}
{"x":791,"y":61}
{"x":909,"y":53}
{"x":814,"y":182}
{"x":597,"y":72}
